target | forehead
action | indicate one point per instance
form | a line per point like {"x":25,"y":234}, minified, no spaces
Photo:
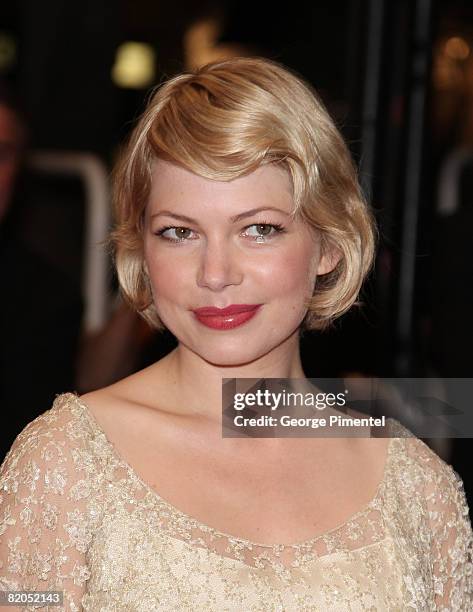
{"x":174,"y":187}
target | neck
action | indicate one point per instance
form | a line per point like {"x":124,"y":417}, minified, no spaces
{"x":198,"y":384}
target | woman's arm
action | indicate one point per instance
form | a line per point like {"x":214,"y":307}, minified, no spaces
{"x":45,"y":528}
{"x":451,"y":541}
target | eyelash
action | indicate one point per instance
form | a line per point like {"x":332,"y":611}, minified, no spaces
{"x":279,"y":229}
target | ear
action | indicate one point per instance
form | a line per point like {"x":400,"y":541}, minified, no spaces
{"x":328,"y":260}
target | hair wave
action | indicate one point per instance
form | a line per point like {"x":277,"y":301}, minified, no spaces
{"x":223,"y":121}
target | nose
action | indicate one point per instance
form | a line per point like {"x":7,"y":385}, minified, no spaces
{"x":219,"y":265}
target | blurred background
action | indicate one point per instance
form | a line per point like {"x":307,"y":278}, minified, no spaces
{"x":396,"y":75}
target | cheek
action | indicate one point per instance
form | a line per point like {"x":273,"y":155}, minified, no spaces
{"x":165,"y":268}
{"x":286,"y":273}
{"x":290,"y":274}
{"x":168,"y":278}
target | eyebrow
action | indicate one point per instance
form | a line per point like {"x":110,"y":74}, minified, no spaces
{"x":234,"y":219}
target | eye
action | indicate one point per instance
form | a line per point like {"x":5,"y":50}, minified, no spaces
{"x":180,"y":233}
{"x":263,"y":231}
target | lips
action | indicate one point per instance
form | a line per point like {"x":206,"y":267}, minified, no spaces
{"x":226,"y":318}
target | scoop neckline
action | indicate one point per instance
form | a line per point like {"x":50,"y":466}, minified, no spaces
{"x":153,"y":494}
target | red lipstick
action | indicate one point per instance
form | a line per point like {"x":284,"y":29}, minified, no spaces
{"x":226,"y":318}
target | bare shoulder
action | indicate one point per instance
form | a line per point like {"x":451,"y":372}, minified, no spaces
{"x":371,"y":450}
{"x":372,"y":453}
{"x":130,"y":388}
{"x":129,"y":401}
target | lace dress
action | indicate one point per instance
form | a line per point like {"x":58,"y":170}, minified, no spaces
{"x":76,"y":518}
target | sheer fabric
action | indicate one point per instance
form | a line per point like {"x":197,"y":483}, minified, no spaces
{"x":75,"y":517}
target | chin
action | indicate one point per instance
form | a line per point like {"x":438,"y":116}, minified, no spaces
{"x":229,"y":360}
{"x":228,"y":354}
{"x":236,"y":353}
{"x":234,"y":348}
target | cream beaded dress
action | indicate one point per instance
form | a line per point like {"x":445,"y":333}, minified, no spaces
{"x":75,"y":517}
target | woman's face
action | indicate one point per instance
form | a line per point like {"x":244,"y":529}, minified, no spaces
{"x":216,"y":244}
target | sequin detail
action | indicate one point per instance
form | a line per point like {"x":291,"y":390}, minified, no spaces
{"x":75,"y":517}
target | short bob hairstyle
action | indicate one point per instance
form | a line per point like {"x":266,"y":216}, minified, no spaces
{"x":222,"y":121}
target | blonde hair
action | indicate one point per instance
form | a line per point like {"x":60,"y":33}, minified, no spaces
{"x":222,"y":121}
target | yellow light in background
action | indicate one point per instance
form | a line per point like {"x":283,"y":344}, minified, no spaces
{"x":7,"y":51}
{"x":457,"y":48}
{"x":201,"y":46}
{"x":447,"y":75}
{"x":135,"y":65}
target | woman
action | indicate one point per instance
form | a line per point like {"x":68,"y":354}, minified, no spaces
{"x":239,"y":223}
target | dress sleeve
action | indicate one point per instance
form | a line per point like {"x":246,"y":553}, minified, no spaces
{"x":451,"y":545}
{"x":45,"y":509}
